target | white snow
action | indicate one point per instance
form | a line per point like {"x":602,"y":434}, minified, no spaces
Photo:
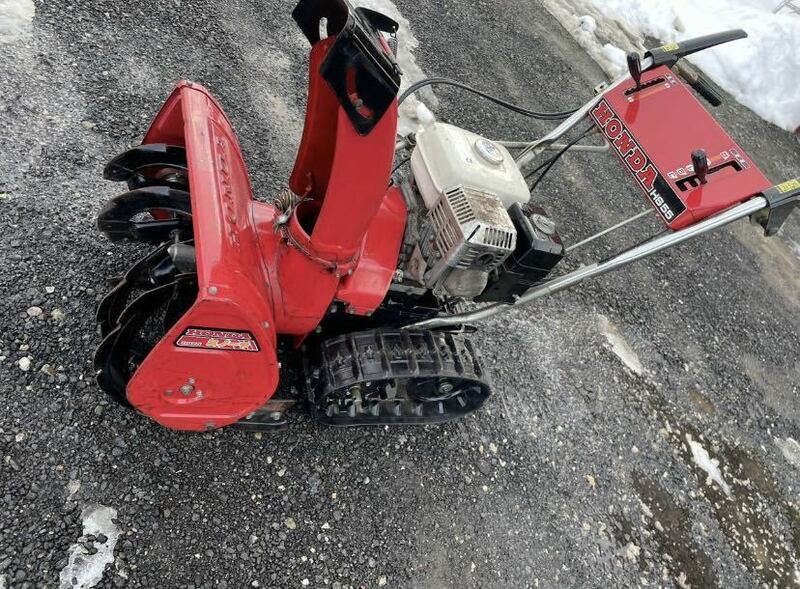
{"x":87,"y":569}
{"x":702,"y":459}
{"x":414,"y":113}
{"x":15,"y":19}
{"x":790,"y":450}
{"x":619,"y":345}
{"x":794,"y":246}
{"x":761,"y":71}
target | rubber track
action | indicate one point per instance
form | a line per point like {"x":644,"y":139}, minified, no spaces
{"x":368,"y":360}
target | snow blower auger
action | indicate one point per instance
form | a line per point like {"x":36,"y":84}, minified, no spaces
{"x":357,"y":286}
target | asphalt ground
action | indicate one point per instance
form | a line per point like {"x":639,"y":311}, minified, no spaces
{"x":581,"y":471}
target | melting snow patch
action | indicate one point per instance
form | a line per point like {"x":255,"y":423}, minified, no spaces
{"x":15,"y":19}
{"x":794,"y":246}
{"x":414,"y":114}
{"x":790,"y":449}
{"x":85,"y":570}
{"x":619,"y":345}
{"x":703,"y":460}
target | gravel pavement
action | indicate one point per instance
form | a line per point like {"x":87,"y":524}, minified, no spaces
{"x":644,"y":426}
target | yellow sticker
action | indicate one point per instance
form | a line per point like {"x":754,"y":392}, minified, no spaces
{"x":788,"y":185}
{"x":670,"y":47}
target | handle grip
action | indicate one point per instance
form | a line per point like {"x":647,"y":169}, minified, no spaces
{"x":670,"y":53}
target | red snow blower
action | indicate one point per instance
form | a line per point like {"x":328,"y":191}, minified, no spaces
{"x":354,"y":290}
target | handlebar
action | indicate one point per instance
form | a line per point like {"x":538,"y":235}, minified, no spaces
{"x":670,"y":53}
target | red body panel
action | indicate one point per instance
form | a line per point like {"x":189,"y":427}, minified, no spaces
{"x":265,"y":279}
{"x":655,"y":130}
{"x":227,"y":385}
{"x":366,"y":288}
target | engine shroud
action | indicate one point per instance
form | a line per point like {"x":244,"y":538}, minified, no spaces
{"x":467,"y":234}
{"x":463,"y":185}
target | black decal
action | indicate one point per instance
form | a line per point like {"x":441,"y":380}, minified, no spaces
{"x":661,"y":195}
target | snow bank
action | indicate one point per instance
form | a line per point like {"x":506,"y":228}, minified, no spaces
{"x":15,"y":19}
{"x":761,"y":71}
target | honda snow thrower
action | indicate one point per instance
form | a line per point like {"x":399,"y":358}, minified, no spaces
{"x":354,"y":291}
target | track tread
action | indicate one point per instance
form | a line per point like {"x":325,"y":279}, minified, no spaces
{"x":368,"y":360}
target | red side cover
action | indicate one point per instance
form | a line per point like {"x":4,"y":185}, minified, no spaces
{"x":655,"y":129}
{"x":225,"y":353}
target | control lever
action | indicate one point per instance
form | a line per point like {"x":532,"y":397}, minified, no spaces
{"x":635,"y":68}
{"x":700,"y":163}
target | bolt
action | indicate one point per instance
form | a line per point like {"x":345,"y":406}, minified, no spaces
{"x":186,"y":389}
{"x":266,"y":324}
{"x":350,"y":272}
{"x":318,"y":329}
{"x":191,"y":380}
{"x":275,"y":416}
{"x":212,"y":290}
{"x":199,"y":394}
{"x":445,"y":388}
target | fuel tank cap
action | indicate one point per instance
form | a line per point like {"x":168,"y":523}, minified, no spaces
{"x":488,"y":151}
{"x":544,"y":224}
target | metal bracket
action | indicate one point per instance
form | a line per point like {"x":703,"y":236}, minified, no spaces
{"x":781,"y":201}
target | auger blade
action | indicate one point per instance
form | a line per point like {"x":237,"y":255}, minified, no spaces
{"x":138,"y":277}
{"x":124,"y":348}
{"x":183,"y":296}
{"x":145,"y":157}
{"x":176,"y":180}
{"x":109,"y":381}
{"x":155,"y":269}
{"x":169,"y":210}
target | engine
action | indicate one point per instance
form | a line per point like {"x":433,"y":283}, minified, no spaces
{"x":471,"y":234}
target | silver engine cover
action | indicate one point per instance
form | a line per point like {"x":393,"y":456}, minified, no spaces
{"x":466,"y":234}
